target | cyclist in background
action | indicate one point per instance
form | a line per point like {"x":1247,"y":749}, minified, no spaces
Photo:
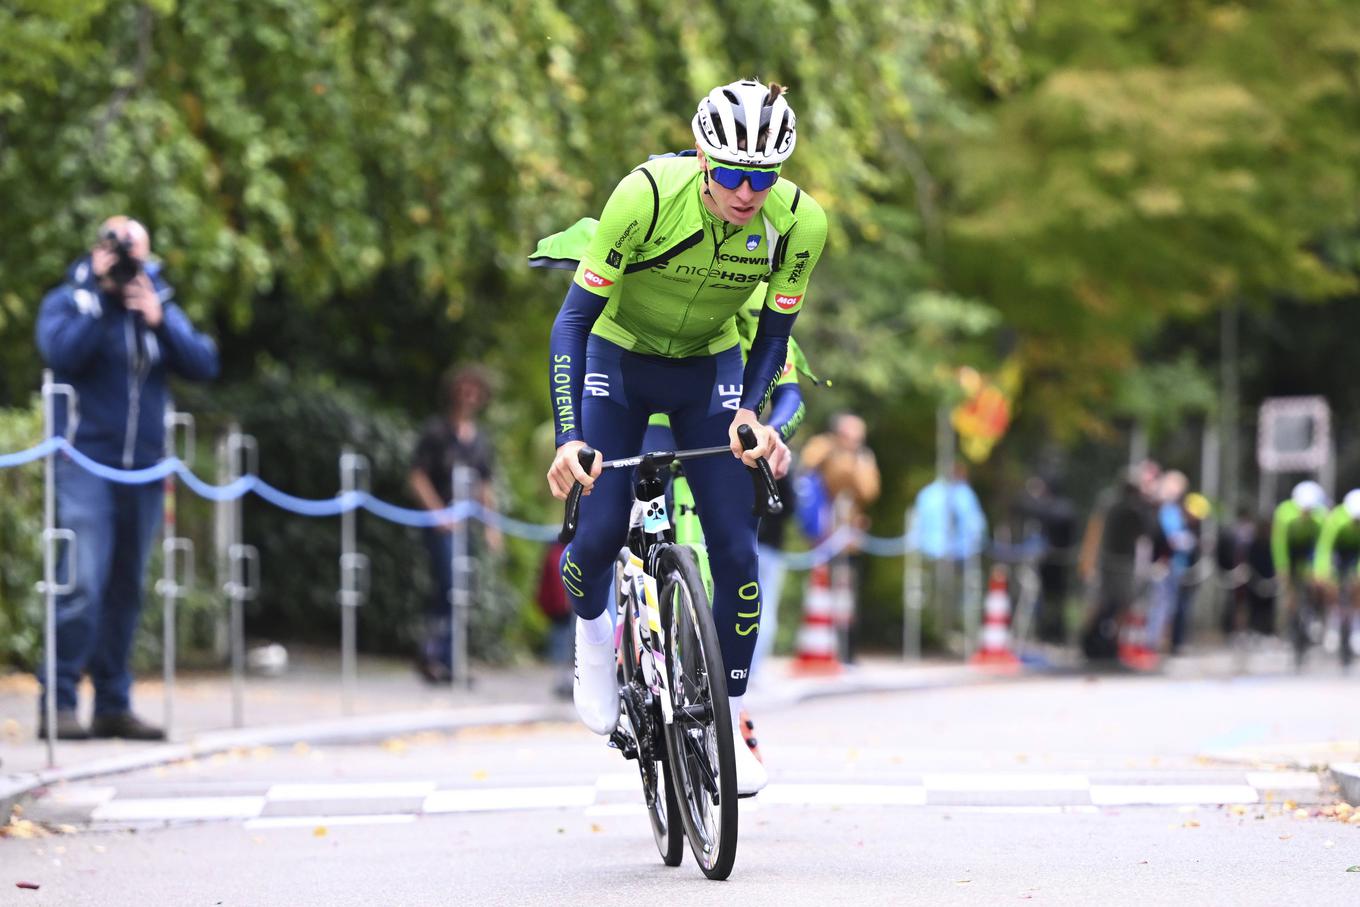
{"x":1336,"y":567}
{"x":647,"y":327}
{"x":1294,"y":531}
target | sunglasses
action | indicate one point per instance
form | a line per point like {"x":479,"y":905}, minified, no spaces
{"x":731,"y":178}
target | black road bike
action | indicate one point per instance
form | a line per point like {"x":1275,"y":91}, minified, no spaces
{"x":674,"y":719}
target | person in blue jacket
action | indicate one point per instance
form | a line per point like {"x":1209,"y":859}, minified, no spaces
{"x":114,"y":333}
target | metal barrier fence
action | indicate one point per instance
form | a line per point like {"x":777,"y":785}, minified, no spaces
{"x":238,"y":564}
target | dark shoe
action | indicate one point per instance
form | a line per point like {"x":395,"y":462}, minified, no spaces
{"x":124,"y":725}
{"x":68,"y":726}
{"x":433,"y":672}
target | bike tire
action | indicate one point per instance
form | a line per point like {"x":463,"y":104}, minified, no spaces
{"x":664,"y":812}
{"x":699,"y":738}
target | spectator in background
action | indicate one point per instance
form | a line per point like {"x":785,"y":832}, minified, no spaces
{"x":948,"y":528}
{"x":452,"y":439}
{"x":1054,"y":517}
{"x":1118,"y":529}
{"x":114,"y":333}
{"x":1178,"y":541}
{"x":846,"y":482}
{"x":1244,"y":555}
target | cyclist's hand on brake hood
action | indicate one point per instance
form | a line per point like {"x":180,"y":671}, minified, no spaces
{"x":766,"y":437}
{"x":566,"y":470}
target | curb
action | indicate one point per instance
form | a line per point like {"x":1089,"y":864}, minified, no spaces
{"x":13,"y":788}
{"x":1347,"y":777}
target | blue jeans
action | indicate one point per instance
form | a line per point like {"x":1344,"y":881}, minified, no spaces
{"x":437,"y":646}
{"x":96,"y":623}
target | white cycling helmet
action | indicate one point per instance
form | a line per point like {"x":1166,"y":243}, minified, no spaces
{"x":1309,"y":495}
{"x":1352,"y":503}
{"x":740,"y":123}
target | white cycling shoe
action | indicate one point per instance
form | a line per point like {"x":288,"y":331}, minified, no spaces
{"x":595,"y":689}
{"x":751,"y":774}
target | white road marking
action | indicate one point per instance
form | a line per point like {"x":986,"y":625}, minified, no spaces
{"x":1283,"y":780}
{"x":368,"y":790}
{"x":1171,"y":794}
{"x":844,"y":795}
{"x":164,"y":808}
{"x":496,"y":798}
{"x":1039,"y":810}
{"x":606,"y":810}
{"x":616,"y":782}
{"x":328,"y":821}
{"x":1005,"y":781}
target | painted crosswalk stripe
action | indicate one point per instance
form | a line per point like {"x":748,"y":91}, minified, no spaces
{"x":268,"y":822}
{"x":1284,"y":780}
{"x":369,"y":790}
{"x":502,"y":798}
{"x":1171,"y":794}
{"x":147,"y":809}
{"x":844,"y":795}
{"x":1005,"y":781}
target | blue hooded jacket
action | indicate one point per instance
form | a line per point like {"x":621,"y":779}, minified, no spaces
{"x":118,"y":366}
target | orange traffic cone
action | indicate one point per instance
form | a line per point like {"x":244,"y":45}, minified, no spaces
{"x":995,"y":650}
{"x":817,"y":636}
{"x":1134,"y":650}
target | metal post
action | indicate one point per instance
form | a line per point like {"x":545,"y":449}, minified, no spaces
{"x":911,"y":596}
{"x":460,"y":592}
{"x":172,"y":544}
{"x":49,"y":587}
{"x":353,"y":576}
{"x":1227,"y":409}
{"x":970,"y":598}
{"x":243,"y":565}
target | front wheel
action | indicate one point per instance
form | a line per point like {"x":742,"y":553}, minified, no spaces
{"x":658,"y":785}
{"x":699,"y":738}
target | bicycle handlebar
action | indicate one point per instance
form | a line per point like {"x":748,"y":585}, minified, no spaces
{"x":767,"y":500}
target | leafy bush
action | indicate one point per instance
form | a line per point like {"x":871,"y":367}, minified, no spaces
{"x":21,"y":526}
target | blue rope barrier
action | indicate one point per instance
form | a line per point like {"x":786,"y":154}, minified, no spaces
{"x":421,"y":519}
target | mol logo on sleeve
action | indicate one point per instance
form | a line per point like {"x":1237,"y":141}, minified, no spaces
{"x":781,"y":301}
{"x":595,"y":280}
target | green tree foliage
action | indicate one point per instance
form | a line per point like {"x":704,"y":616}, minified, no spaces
{"x":21,"y":526}
{"x":1155,"y":159}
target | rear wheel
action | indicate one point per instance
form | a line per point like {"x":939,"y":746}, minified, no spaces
{"x":699,"y":739}
{"x":644,"y":714}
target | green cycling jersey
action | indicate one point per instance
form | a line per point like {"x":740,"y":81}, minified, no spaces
{"x":1293,"y":538}
{"x":688,"y":272}
{"x":1339,"y":539}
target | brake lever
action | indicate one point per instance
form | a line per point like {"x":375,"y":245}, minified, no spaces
{"x":586,"y":457}
{"x":768,"y":502}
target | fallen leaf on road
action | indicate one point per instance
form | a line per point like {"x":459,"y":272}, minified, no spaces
{"x":1353,"y":868}
{"x":11,"y":728}
{"x":394,"y":745}
{"x":1354,"y":819}
{"x":480,"y":775}
{"x":1237,"y":809}
{"x":1191,"y":823}
{"x":1285,"y":837}
{"x":1300,"y":814}
{"x":962,"y":881}
{"x":596,"y":827}
{"x":1290,"y":804}
{"x":1142,"y":862}
{"x":302,"y":748}
{"x":31,"y":886}
{"x":319,"y":831}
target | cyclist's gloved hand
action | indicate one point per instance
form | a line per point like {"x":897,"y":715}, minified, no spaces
{"x":566,"y":470}
{"x":766,"y":438}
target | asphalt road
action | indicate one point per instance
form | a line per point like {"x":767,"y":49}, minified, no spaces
{"x":1056,"y":791}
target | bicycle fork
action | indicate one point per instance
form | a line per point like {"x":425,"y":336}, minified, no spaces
{"x":643,"y":600}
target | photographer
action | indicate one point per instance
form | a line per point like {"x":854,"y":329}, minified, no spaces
{"x":112,"y":332}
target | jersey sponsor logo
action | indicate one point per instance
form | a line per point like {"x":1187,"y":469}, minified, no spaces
{"x":627,"y":232}
{"x":745,"y":259}
{"x":752,"y":242}
{"x":719,"y":274}
{"x":786,"y":302}
{"x":613,"y":258}
{"x":738,"y":674}
{"x":788,"y":368}
{"x":595,"y":280}
{"x":799,"y":267}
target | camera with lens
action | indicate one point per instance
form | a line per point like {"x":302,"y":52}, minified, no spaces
{"x":126,"y":265}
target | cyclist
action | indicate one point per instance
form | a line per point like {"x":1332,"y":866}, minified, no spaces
{"x":1336,"y":567}
{"x":1294,"y":531}
{"x":647,"y":327}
